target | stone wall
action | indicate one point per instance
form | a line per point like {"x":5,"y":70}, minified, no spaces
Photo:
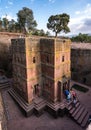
{"x":62,"y":64}
{"x":81,"y":65}
{"x":19,"y":67}
{"x":38,"y":65}
{"x":5,"y":51}
{"x":47,"y":47}
{"x":33,"y":66}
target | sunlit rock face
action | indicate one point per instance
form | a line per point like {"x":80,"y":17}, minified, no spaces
{"x":81,"y":62}
{"x":41,"y":66}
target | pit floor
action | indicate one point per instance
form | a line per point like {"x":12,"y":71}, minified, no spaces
{"x":17,"y":121}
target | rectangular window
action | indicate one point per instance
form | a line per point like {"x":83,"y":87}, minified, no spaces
{"x":62,"y":58}
{"x":47,"y":59}
{"x":34,"y":60}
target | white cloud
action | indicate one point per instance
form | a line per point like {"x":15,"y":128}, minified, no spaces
{"x":86,"y":11}
{"x":9,"y":17}
{"x":52,"y":1}
{"x":6,"y":7}
{"x":82,"y":21}
{"x":77,"y":12}
{"x":10,"y":3}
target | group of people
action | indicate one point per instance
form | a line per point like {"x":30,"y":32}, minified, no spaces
{"x":70,"y":95}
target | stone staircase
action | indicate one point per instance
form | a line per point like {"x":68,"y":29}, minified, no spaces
{"x":39,"y":106}
{"x":78,"y":112}
{"x":4,"y":84}
{"x":56,"y":109}
{"x":28,"y":108}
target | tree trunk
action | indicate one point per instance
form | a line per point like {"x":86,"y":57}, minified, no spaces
{"x":55,"y":34}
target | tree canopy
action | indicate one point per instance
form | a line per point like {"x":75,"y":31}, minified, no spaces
{"x":84,"y":38}
{"x":27,"y":24}
{"x":26,"y":19}
{"x":5,"y":23}
{"x":58,"y":23}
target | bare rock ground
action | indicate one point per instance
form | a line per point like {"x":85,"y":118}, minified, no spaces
{"x":3,"y":121}
{"x":17,"y":121}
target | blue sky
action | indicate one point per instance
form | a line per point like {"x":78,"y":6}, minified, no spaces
{"x":79,"y":11}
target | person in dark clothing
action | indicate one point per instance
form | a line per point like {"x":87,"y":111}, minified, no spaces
{"x":66,"y":92}
{"x":74,"y":101}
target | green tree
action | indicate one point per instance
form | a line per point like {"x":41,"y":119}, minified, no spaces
{"x":11,"y":27}
{"x":84,"y":38}
{"x":58,"y":23}
{"x":41,"y":32}
{"x":48,"y":33}
{"x":38,"y":32}
{"x":26,"y":19}
{"x":17,"y":27}
{"x":0,"y":24}
{"x":5,"y":23}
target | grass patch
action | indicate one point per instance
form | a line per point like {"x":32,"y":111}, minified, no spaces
{"x":80,"y":88}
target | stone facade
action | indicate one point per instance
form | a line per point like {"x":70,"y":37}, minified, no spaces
{"x":81,"y":62}
{"x":41,"y":67}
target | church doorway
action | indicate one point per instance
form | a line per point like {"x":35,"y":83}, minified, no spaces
{"x":36,"y":90}
{"x":59,"y":91}
{"x":65,"y":86}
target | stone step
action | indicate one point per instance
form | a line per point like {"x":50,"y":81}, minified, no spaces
{"x":4,"y":81}
{"x":79,"y":113}
{"x":39,"y":106}
{"x":20,"y":101}
{"x":43,"y":102}
{"x":84,"y":122}
{"x":67,"y":104}
{"x":53,"y":106}
{"x":38,"y":100}
{"x":77,"y":110}
{"x":72,"y":110}
{"x":82,"y":116}
{"x":62,"y":106}
{"x":77,"y":104}
{"x":4,"y":85}
{"x":17,"y":99}
{"x":70,"y":103}
{"x":39,"y":103}
{"x":17,"y":95}
{"x":71,"y":106}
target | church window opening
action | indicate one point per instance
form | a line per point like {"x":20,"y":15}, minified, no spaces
{"x":62,"y":58}
{"x":47,"y":59}
{"x":34,"y":60}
